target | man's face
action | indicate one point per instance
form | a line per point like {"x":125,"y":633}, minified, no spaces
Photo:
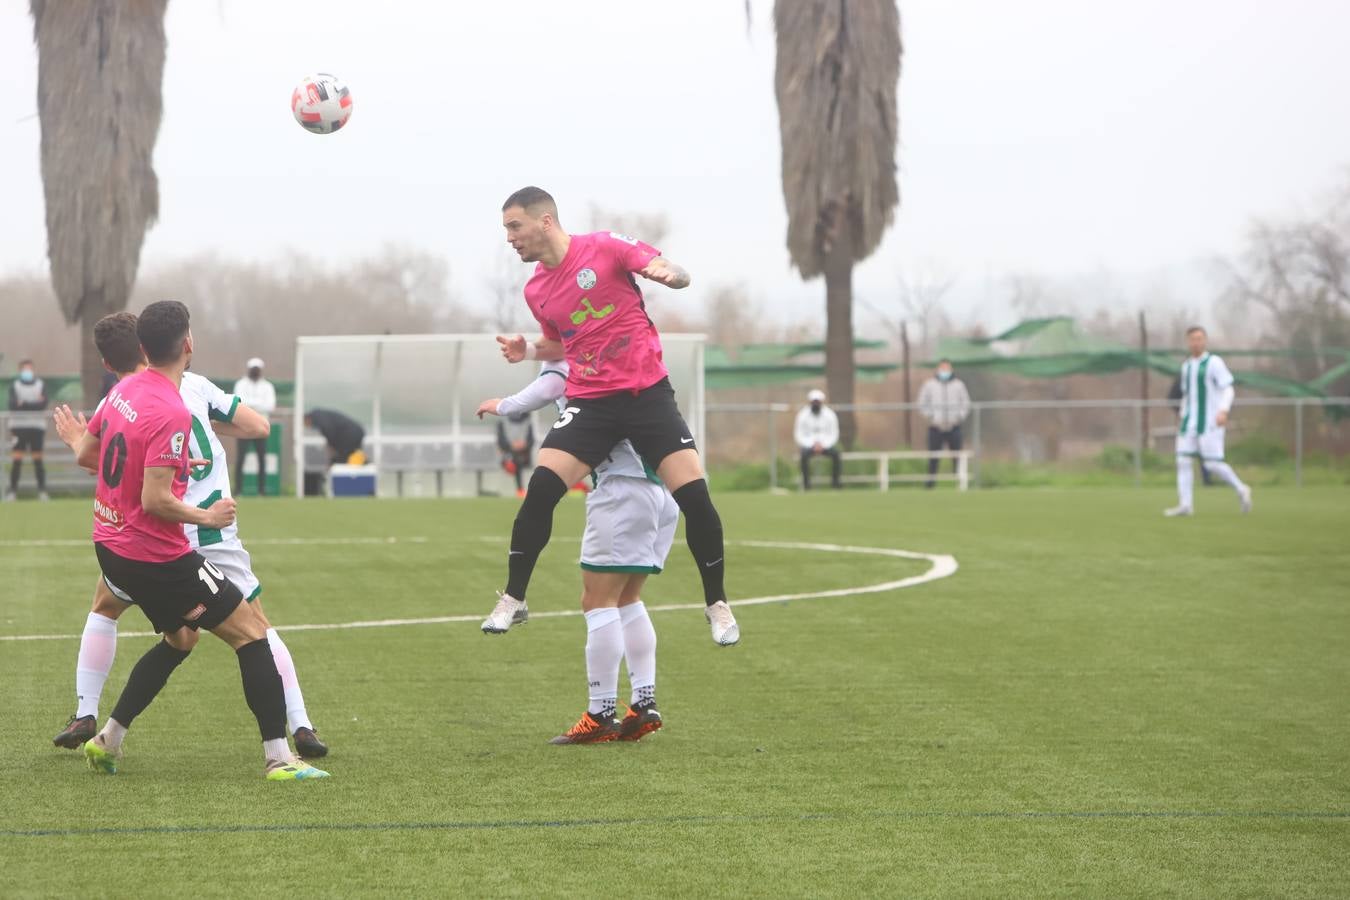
{"x":1196,"y":342}
{"x":187,"y":351}
{"x":254,"y":373}
{"x":26,"y":373}
{"x":527,"y":235}
{"x":816,"y":405}
{"x":944,"y":371}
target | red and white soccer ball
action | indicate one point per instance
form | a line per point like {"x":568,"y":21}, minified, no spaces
{"x":321,"y":103}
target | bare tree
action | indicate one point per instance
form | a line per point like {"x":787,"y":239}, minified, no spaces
{"x":1297,"y":272}
{"x":100,"y":77}
{"x":838,"y":66}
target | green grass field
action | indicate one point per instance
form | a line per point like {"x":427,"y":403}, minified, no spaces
{"x":1100,"y":702}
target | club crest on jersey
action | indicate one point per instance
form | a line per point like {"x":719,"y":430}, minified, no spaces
{"x":176,"y":443}
{"x":586,"y":279}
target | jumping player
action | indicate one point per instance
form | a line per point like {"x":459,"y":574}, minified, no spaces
{"x":1206,"y":399}
{"x":137,"y":440}
{"x":591,"y":312}
{"x":115,"y":337}
{"x":630,"y":527}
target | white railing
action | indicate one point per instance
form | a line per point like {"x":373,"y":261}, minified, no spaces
{"x":769,"y":414}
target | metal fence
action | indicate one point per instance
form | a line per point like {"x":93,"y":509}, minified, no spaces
{"x":1051,"y":433}
{"x":1056,"y":435}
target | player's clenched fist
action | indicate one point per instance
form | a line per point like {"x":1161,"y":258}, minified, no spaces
{"x":221,"y":513}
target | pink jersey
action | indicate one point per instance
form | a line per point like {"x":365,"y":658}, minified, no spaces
{"x":592,"y":304}
{"x":142,"y":424}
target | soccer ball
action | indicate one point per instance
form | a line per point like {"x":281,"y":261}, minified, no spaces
{"x":321,"y":103}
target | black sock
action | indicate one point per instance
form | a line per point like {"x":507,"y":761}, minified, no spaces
{"x":534,"y":524}
{"x":148,"y":678}
{"x":15,"y":468}
{"x":41,"y":469}
{"x":262,"y":688}
{"x":703,"y":533}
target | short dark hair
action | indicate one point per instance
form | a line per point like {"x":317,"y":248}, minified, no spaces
{"x":162,"y":327}
{"x":1194,"y":328}
{"x":118,"y":343}
{"x":531,"y":199}
{"x":944,"y":360}
{"x":25,"y":362}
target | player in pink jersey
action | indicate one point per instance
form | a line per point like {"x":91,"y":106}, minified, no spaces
{"x":585,"y":296}
{"x":137,"y":442}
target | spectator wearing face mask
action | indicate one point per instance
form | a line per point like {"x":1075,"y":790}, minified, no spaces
{"x":817,"y":434}
{"x":28,"y":425}
{"x":945,"y":403}
{"x":257,"y":393}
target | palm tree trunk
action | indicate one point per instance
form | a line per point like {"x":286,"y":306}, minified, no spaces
{"x":94,"y":308}
{"x":839,"y":367}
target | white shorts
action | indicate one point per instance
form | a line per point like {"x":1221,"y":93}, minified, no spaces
{"x":1208,"y":446}
{"x":232,"y":559}
{"x":630,"y":526}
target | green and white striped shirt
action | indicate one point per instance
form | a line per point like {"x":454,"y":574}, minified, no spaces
{"x":1204,"y":381}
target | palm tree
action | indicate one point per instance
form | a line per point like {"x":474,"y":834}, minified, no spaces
{"x":100,"y":74}
{"x":837,"y":70}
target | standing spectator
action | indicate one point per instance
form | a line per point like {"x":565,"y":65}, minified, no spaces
{"x":515,"y":439}
{"x":817,"y":434}
{"x":28,"y":423}
{"x":945,"y":403}
{"x":343,"y":434}
{"x":255,"y":392}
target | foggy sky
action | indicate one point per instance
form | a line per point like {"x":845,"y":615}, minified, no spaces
{"x":1061,"y":138}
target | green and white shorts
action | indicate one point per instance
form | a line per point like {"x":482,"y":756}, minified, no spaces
{"x":630,"y":526}
{"x":232,"y":559}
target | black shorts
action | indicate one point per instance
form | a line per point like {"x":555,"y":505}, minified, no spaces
{"x":28,"y":439}
{"x":590,"y":427}
{"x":186,"y":591}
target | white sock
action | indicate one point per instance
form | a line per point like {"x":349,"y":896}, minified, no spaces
{"x":1185,"y":481}
{"x":276,"y":751}
{"x":112,"y":733}
{"x":604,"y":653}
{"x":639,"y":649}
{"x":1225,"y":471}
{"x":296,"y":717}
{"x":98,"y":646}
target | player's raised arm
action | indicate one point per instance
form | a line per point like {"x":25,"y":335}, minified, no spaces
{"x":663,"y":271}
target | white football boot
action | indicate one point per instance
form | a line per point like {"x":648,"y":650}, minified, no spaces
{"x":1178,"y":511}
{"x":1245,"y":498}
{"x":725,"y":631}
{"x":508,"y":611}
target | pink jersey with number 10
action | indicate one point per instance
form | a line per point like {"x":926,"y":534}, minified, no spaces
{"x":142,"y":424}
{"x":591,"y":302}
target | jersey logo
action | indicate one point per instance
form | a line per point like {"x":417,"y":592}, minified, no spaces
{"x":623,"y":237}
{"x":586,"y":279}
{"x":176,"y":445}
{"x":590,"y":312}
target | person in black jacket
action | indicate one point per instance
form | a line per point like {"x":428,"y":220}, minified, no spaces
{"x":28,"y":425}
{"x":343,"y":434}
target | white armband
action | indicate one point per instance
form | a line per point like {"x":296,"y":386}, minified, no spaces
{"x":531,"y":351}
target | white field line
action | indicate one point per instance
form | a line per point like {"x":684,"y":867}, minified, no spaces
{"x":274,"y":542}
{"x":941,"y":565}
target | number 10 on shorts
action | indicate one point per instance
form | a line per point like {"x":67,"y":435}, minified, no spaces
{"x":211,"y":576}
